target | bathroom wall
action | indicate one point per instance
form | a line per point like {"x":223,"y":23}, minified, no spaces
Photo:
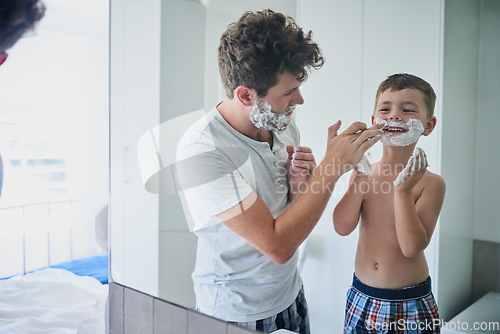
{"x":487,"y":204}
{"x":180,"y":94}
{"x":460,"y":73}
{"x":486,"y":251}
{"x":470,"y":229}
{"x":134,"y":60}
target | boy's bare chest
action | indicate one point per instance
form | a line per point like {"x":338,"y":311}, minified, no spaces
{"x":378,"y":198}
{"x":378,"y":205}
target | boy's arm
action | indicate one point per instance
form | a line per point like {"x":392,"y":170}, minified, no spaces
{"x":415,"y":222}
{"x":346,"y":213}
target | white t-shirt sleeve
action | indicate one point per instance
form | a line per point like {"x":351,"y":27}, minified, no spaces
{"x":212,"y":181}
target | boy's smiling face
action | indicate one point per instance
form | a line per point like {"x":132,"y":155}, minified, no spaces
{"x":402,"y":106}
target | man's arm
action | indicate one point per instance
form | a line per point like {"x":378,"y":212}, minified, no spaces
{"x":279,"y":238}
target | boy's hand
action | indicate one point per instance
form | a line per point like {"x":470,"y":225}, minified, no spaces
{"x":413,"y":172}
{"x":299,"y":166}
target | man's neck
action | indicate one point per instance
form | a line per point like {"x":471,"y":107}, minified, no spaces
{"x":238,"y":117}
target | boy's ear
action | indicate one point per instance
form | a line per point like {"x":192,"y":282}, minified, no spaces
{"x":429,"y":126}
{"x":246,"y":96}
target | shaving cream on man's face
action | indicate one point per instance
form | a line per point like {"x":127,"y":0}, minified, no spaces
{"x":400,"y":133}
{"x":263,"y":118}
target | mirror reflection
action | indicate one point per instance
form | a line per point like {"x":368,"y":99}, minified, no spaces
{"x":54,"y":112}
{"x":161,"y":85}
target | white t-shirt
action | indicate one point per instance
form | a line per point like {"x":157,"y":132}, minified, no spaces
{"x":218,"y":167}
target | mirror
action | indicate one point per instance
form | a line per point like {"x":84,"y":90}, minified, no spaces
{"x":178,"y":86}
{"x":164,"y":75}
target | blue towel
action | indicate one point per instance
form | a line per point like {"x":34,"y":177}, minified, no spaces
{"x":95,"y":266}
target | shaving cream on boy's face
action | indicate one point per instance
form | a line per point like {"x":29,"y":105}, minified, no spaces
{"x":410,"y":132}
{"x":263,"y":118}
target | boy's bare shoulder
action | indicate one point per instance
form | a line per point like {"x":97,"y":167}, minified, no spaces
{"x":434,"y":181}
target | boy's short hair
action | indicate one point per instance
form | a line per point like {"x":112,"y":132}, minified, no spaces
{"x":261,"y":45}
{"x":400,"y":81}
{"x":17,"y":17}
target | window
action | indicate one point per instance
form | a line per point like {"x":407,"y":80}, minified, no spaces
{"x":54,"y":137}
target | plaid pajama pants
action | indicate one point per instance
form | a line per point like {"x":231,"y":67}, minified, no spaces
{"x":295,"y":318}
{"x":411,"y":310}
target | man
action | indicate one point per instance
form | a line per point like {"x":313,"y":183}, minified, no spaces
{"x":253,"y":192}
{"x":16,"y":17}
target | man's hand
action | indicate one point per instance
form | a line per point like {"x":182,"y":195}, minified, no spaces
{"x":345,"y":151}
{"x":299,"y":167}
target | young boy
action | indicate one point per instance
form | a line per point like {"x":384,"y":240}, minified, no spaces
{"x":397,"y":203}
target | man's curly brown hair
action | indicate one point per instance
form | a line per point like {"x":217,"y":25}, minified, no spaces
{"x":261,"y":45}
{"x":17,"y":17}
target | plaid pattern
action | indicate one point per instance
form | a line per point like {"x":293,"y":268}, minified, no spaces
{"x":295,"y":318}
{"x":411,"y":310}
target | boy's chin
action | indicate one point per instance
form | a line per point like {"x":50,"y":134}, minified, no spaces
{"x":400,"y":140}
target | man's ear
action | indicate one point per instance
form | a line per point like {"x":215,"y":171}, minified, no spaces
{"x":246,"y":96}
{"x":429,"y":126}
{"x":3,"y":57}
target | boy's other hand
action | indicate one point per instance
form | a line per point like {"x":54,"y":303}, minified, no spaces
{"x":413,"y":172}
